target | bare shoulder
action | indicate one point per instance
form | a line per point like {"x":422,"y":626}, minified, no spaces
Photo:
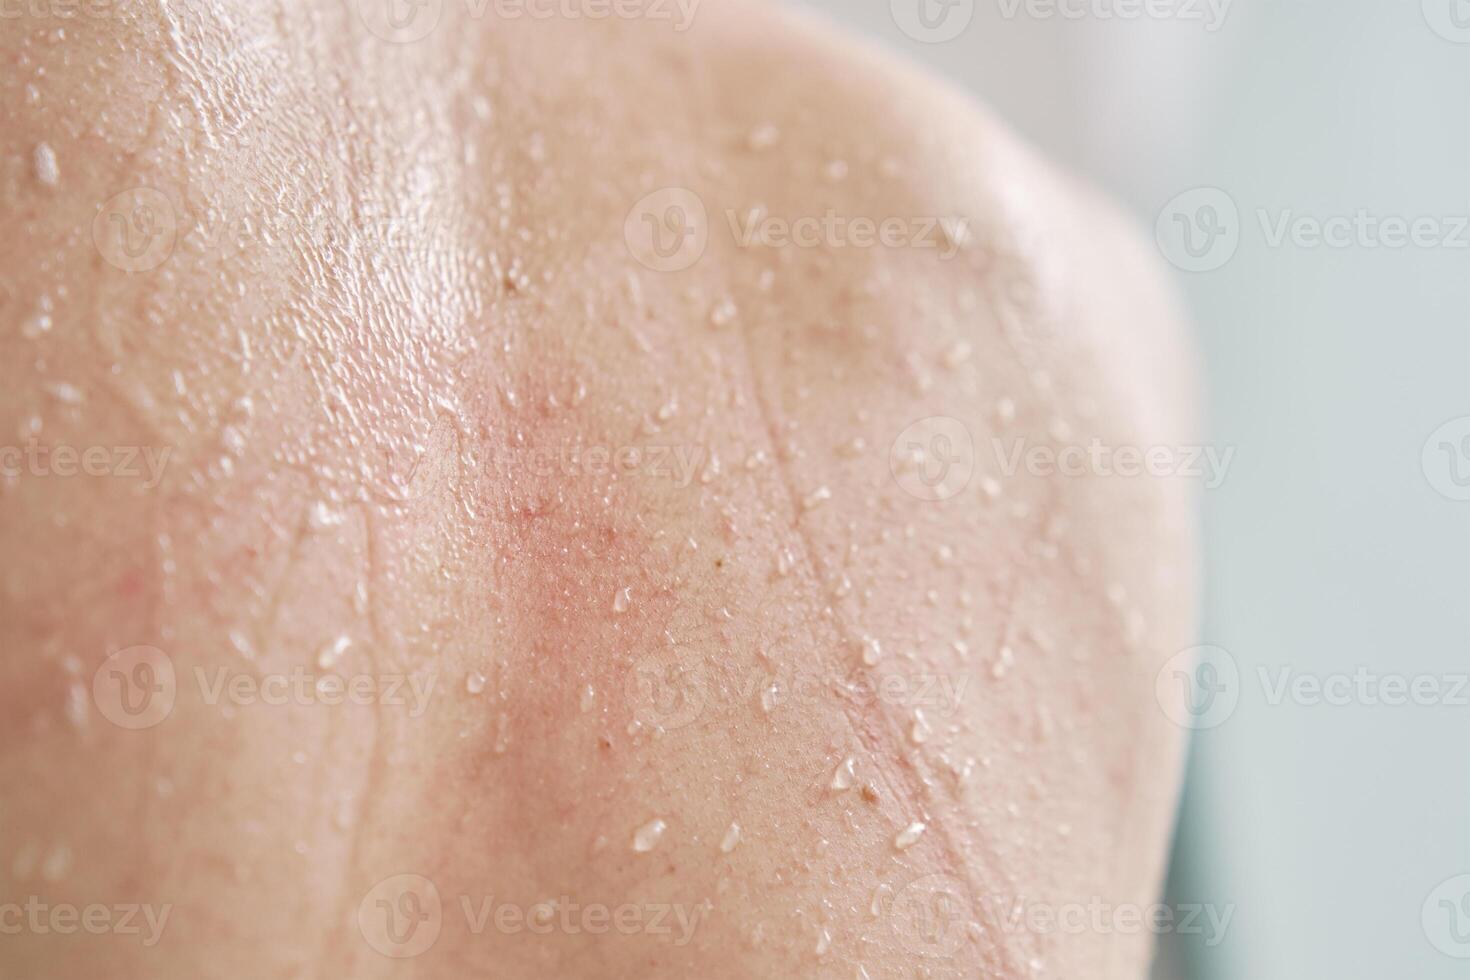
{"x":643,"y":462}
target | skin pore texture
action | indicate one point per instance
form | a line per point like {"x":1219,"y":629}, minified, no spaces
{"x":650,"y":604}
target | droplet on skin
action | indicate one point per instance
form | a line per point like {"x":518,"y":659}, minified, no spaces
{"x":242,"y":644}
{"x":816,"y":498}
{"x":1005,"y":410}
{"x":67,"y":394}
{"x":824,"y":942}
{"x":1004,"y":660}
{"x":920,"y":732}
{"x":646,"y":838}
{"x":845,"y":775}
{"x":332,"y":652}
{"x":957,"y":354}
{"x":39,"y":322}
{"x":770,"y":698}
{"x":623,"y":601}
{"x":44,"y":160}
{"x":764,"y":136}
{"x":724,"y":313}
{"x":990,"y":486}
{"x":588,"y":699}
{"x":909,"y":836}
{"x":322,"y":516}
{"x":57,"y":863}
{"x":474,"y":682}
{"x":872,"y":652}
{"x":732,"y":838}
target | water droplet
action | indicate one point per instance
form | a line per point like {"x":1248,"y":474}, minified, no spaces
{"x":957,"y":354}
{"x":770,"y":698}
{"x":623,"y":601}
{"x":67,"y":394}
{"x":1004,"y":660}
{"x":764,"y":136}
{"x":588,"y":699}
{"x":990,"y":486}
{"x":872,"y":651}
{"x":845,"y":775}
{"x":919,"y":734}
{"x":332,"y":652}
{"x":909,"y":836}
{"x":646,"y":838}
{"x":1005,"y":410}
{"x":816,"y":498}
{"x":732,"y":838}
{"x":44,"y":160}
{"x":39,"y":322}
{"x":474,"y":682}
{"x":57,"y":863}
{"x":502,"y":733}
{"x":321,"y":516}
{"x":724,"y":312}
{"x":242,"y":644}
{"x":824,"y":942}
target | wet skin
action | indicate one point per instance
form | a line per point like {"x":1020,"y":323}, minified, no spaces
{"x":616,"y":542}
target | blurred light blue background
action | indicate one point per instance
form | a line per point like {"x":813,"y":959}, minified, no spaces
{"x":1328,"y":547}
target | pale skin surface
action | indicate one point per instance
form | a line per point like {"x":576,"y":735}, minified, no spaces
{"x":351,"y":406}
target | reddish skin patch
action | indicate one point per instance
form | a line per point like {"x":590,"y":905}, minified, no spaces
{"x":565,"y":542}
